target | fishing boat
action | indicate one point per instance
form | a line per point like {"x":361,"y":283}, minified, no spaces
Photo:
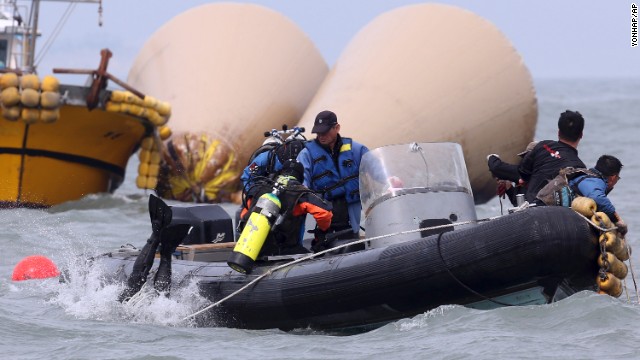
{"x":61,"y":142}
{"x":424,"y":247}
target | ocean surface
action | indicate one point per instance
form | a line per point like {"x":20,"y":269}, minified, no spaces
{"x":43,"y":319}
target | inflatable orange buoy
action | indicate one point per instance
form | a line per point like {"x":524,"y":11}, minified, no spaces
{"x":34,"y":267}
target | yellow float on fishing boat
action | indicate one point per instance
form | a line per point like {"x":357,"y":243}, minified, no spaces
{"x":30,"y":116}
{"x":30,"y":81}
{"x":11,"y":113}
{"x":49,"y":100}
{"x":49,"y":115}
{"x":10,"y":96}
{"x":50,"y":84}
{"x":30,"y":97}
{"x":8,"y":80}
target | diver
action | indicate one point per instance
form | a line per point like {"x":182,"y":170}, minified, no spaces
{"x":165,"y":236}
{"x":598,"y":183}
{"x":296,"y":200}
{"x":266,"y":161}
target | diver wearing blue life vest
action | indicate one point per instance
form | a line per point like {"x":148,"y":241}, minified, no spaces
{"x":331,"y":167}
{"x":597,"y":183}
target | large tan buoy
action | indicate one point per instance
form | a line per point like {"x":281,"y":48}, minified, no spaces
{"x":431,"y":72}
{"x":230,"y":72}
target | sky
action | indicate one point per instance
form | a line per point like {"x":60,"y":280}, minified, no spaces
{"x":556,"y":39}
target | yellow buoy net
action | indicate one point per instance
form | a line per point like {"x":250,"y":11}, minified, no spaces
{"x":198,"y":168}
{"x":150,"y":153}
{"x":156,"y":111}
{"x":28,"y":99}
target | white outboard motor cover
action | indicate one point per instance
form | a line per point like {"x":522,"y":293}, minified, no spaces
{"x":414,"y":186}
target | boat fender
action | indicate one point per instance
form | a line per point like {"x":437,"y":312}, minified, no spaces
{"x":9,"y":80}
{"x":49,"y":115}
{"x":152,"y":182}
{"x":133,"y":99}
{"x":117,"y":96}
{"x":30,"y":98}
{"x":30,"y":81}
{"x":112,"y":106}
{"x":125,"y":108}
{"x":150,"y":102}
{"x":611,"y":242}
{"x":143,"y":169}
{"x":50,"y":84}
{"x":623,"y":254}
{"x":144,"y":155}
{"x":602,"y":220}
{"x":10,"y":97}
{"x":164,"y":132}
{"x":609,"y":285}
{"x":30,"y":116}
{"x":584,"y":206}
{"x":49,"y":100}
{"x":153,"y":170}
{"x":141,"y":182}
{"x":156,"y":118}
{"x":137,"y":110}
{"x":148,"y":143}
{"x":616,"y":267}
{"x":255,"y":233}
{"x":155,"y":157}
{"x":164,"y":109}
{"x":11,"y":113}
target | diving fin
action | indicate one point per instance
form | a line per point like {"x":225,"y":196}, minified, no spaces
{"x":161,"y":216}
{"x":170,"y":238}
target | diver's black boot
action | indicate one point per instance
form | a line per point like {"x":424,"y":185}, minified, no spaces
{"x":171,"y":237}
{"x":161,"y":216}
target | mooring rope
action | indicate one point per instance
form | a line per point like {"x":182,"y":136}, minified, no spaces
{"x":633,"y":275}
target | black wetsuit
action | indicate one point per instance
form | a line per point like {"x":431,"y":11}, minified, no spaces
{"x":544,"y":162}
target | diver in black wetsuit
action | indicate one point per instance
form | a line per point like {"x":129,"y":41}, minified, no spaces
{"x":163,"y":235}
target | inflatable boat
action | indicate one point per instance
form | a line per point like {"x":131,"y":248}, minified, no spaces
{"x":423,"y":247}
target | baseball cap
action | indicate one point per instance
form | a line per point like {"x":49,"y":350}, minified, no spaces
{"x":325,"y":120}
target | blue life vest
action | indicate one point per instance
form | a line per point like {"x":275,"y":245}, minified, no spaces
{"x":335,"y":183}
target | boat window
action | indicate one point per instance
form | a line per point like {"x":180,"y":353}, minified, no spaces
{"x":3,"y":53}
{"x":397,"y":170}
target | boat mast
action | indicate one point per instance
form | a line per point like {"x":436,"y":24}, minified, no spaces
{"x":32,"y":30}
{"x":32,"y":35}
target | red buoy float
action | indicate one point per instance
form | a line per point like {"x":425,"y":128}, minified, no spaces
{"x":34,"y":267}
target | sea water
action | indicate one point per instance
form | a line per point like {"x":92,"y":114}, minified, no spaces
{"x":82,"y":320}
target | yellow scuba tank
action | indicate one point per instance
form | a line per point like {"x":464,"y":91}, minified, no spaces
{"x":255,"y":232}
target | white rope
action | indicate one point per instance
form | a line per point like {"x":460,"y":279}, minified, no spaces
{"x":311,"y":256}
{"x":633,"y":275}
{"x":598,"y":227}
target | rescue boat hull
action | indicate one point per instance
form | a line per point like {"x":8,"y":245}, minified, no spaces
{"x":536,"y":256}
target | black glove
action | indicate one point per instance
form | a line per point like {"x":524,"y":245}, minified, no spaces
{"x":622,"y":227}
{"x":319,"y":241}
